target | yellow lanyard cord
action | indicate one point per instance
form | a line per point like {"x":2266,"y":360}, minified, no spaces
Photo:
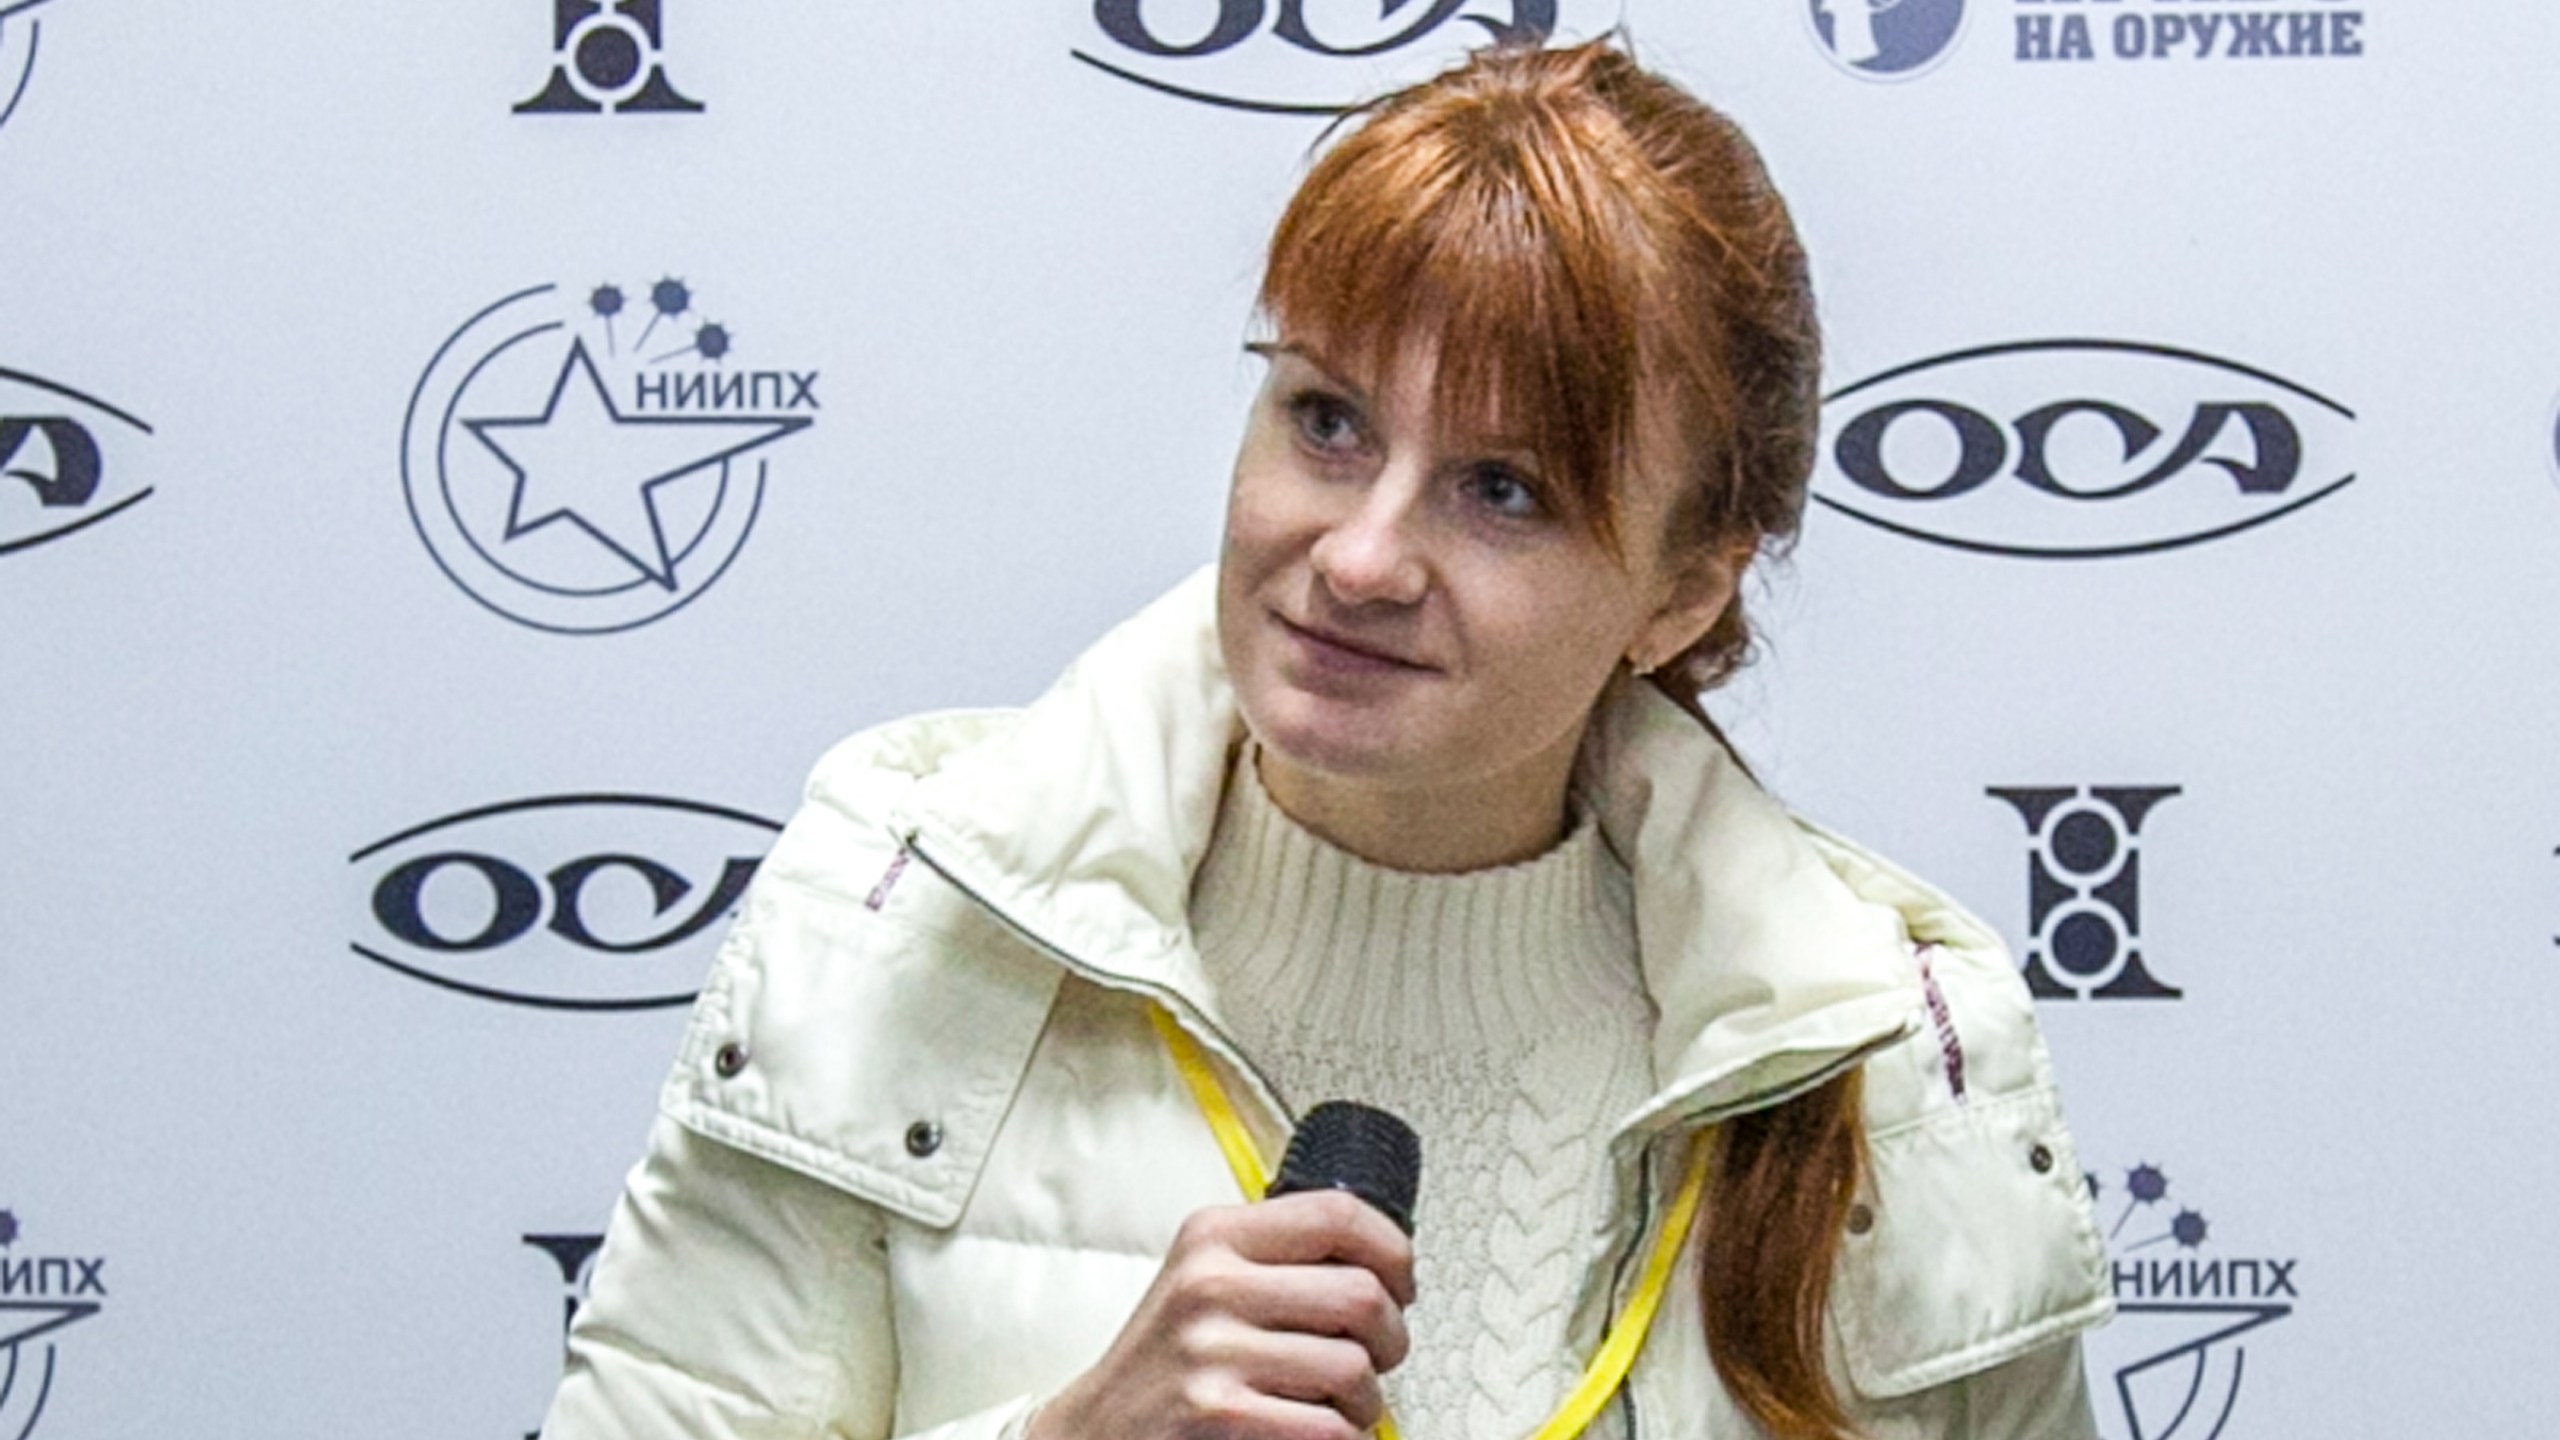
{"x":1617,"y":1353}
{"x":1234,"y":1141}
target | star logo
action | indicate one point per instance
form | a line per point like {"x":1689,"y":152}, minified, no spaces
{"x":589,"y":459}
{"x":27,"y":1358}
{"x":584,"y":463}
{"x":2175,"y":1357}
{"x":24,"y":1320}
{"x":2187,"y":1377}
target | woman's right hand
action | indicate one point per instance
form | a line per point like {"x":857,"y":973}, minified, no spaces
{"x":1267,"y":1322}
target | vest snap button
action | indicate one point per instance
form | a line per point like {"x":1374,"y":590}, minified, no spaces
{"x":923,"y":1138}
{"x":1861,"y":1219}
{"x":731,"y":1059}
{"x":2041,"y":1158}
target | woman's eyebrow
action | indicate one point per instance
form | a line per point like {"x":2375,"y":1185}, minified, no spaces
{"x":1272,"y":349}
{"x":1520,"y":451}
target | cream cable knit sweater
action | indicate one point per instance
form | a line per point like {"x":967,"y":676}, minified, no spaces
{"x":1501,"y":1013}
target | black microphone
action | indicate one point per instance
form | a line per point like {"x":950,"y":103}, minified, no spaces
{"x":1344,"y":1145}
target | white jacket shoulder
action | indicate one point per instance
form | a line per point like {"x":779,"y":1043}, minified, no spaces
{"x":1973,"y":1228}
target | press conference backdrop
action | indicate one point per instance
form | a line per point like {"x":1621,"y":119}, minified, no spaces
{"x":464,"y":461}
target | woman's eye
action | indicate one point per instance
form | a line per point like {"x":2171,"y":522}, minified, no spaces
{"x":1506,"y":492}
{"x":1325,"y":422}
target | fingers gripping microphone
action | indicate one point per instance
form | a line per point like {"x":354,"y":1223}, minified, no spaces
{"x":1343,"y":1145}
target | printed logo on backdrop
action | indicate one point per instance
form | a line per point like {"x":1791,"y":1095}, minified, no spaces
{"x":21,"y":34}
{"x":2174,"y":1364}
{"x":2084,"y":890}
{"x":590,"y":461}
{"x":1311,"y":57}
{"x":2170,"y":31}
{"x":575,"y":1258}
{"x":1899,"y":39}
{"x":607,"y":58}
{"x":2078,"y":449}
{"x":1886,"y":39}
{"x":2551,"y":435}
{"x":63,"y":461}
{"x":41,"y":1298}
{"x":561,"y":902}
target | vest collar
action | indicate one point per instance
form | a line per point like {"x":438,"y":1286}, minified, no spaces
{"x":1082,"y":822}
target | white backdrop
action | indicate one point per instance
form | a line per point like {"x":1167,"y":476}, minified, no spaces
{"x":418,"y":610}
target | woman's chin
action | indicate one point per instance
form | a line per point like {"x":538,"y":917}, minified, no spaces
{"x":1309,"y":735}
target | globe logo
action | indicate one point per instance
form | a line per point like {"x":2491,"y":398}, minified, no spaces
{"x":1886,"y":39}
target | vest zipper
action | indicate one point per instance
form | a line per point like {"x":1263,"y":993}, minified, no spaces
{"x":1171,"y":1000}
{"x":1626,"y":1396}
{"x":1696,"y":1127}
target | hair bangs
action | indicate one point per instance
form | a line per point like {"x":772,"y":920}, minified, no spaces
{"x":1511,"y":256}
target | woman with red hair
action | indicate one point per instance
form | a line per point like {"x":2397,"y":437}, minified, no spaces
{"x":1734,"y":1129}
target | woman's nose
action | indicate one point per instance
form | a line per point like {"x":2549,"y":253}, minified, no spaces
{"x":1373,"y":551}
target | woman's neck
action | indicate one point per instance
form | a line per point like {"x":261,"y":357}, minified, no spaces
{"x":1476,"y":824}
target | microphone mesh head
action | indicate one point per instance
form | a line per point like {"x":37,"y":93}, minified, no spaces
{"x":1344,"y":1145}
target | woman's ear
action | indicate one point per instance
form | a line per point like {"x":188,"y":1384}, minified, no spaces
{"x":1695,"y":595}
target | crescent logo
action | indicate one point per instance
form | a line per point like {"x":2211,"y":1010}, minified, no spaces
{"x":561,"y":902}
{"x":2079,"y":449}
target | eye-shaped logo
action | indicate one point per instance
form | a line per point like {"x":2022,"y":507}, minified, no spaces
{"x":586,"y":464}
{"x":2078,"y":449}
{"x":2084,"y":890}
{"x":62,"y":461}
{"x":606,"y":61}
{"x":21,"y":33}
{"x":39,"y":1298}
{"x":1311,"y":57}
{"x":1886,"y":39}
{"x":562,"y":902}
{"x":2186,"y":1311}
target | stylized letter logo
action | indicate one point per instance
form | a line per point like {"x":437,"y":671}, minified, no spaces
{"x":1306,"y":57}
{"x":2084,"y":890}
{"x":605,"y":62}
{"x":564,"y":902}
{"x":576,"y":1257}
{"x":2077,"y":449}
{"x":57,"y":474}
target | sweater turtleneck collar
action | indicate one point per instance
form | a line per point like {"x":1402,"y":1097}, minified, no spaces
{"x":1479,"y":959}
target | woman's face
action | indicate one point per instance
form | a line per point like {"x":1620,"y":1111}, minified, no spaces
{"x":1406,"y":613}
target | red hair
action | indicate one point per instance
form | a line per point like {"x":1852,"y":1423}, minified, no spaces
{"x":1582,"y":239}
{"x":1575,"y":232}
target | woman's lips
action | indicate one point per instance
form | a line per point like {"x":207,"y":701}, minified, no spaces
{"x":1338,"y":654}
